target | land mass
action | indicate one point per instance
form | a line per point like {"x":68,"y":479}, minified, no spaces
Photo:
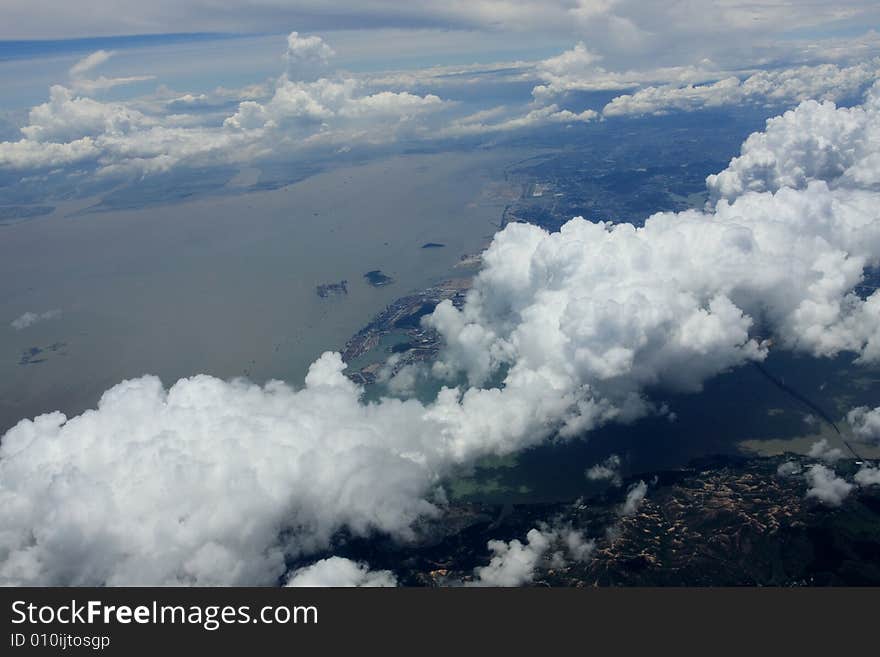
{"x":325,"y":290}
{"x":722,"y":521}
{"x":376,"y":278}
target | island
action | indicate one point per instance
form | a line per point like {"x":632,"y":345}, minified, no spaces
{"x":325,"y":290}
{"x":377,"y":279}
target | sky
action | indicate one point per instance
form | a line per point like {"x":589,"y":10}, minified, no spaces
{"x":625,"y":32}
{"x":204,"y":481}
{"x":622,"y":25}
{"x":116,"y":108}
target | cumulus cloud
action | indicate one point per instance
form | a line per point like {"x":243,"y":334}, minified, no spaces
{"x":308,"y":108}
{"x":823,"y":451}
{"x":303,"y":110}
{"x":634,"y":497}
{"x":579,"y":547}
{"x":608,"y":470}
{"x":207,"y":482}
{"x":597,"y":312}
{"x":514,"y":563}
{"x":67,"y":117}
{"x":868,"y":476}
{"x":73,"y":129}
{"x":339,"y":572}
{"x":212,"y":482}
{"x":826,"y":486}
{"x":815,"y":141}
{"x":578,"y":69}
{"x":29,"y":319}
{"x":217,"y":483}
{"x":660,"y":100}
{"x":783,"y":86}
{"x":306,"y":56}
{"x":865,"y":423}
{"x":401,"y":381}
{"x":789,"y":469}
{"x":312,"y":106}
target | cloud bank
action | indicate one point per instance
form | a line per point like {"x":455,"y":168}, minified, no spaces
{"x":822,"y":82}
{"x":304,"y":109}
{"x":311,"y":106}
{"x":598,"y":312}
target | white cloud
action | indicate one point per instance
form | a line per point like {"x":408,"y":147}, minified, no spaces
{"x":333,"y":112}
{"x":608,"y":470}
{"x":634,"y":497}
{"x":789,"y":469}
{"x":596,"y":312}
{"x":310,"y":106}
{"x":339,"y":572}
{"x":783,"y":86}
{"x":208,"y":482}
{"x":547,"y":115}
{"x":216,"y":483}
{"x":26,"y":154}
{"x":826,"y":486}
{"x":579,"y":547}
{"x":29,"y":319}
{"x":213,"y":482}
{"x":71,"y":129}
{"x":91,"y":85}
{"x":823,"y":451}
{"x":306,"y":56}
{"x":89,"y":62}
{"x":143,"y":138}
{"x":868,"y":476}
{"x":865,"y":423}
{"x":577,"y":69}
{"x":67,"y":117}
{"x":513,"y":563}
{"x":81,"y":82}
{"x":815,"y":141}
{"x":401,"y":382}
{"x":659,"y":100}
